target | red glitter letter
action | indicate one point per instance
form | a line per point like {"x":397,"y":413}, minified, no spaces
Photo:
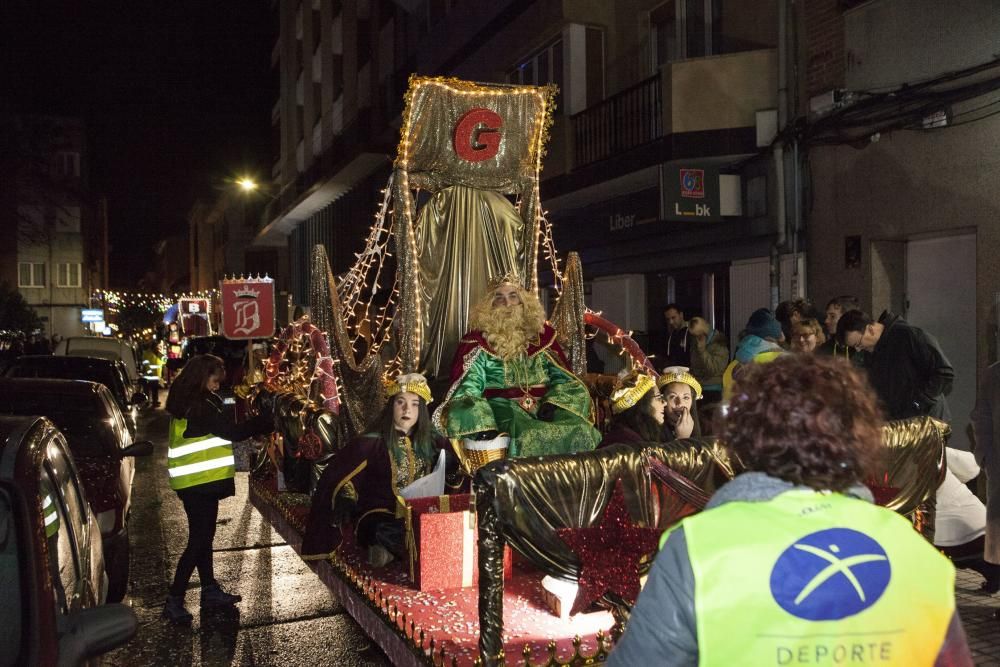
{"x":474,"y":143}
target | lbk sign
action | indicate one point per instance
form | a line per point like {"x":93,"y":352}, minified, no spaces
{"x":247,"y":308}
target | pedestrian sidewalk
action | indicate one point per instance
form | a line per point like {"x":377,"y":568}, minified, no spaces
{"x":978,"y":613}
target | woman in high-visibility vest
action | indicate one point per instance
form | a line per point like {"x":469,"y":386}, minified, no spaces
{"x":201,"y":467}
{"x":791,"y":563}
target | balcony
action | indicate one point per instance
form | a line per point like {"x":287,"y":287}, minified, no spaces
{"x":700,"y":95}
{"x":627,"y":120}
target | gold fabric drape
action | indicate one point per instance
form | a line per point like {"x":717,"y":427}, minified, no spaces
{"x":362,"y":394}
{"x":489,"y":137}
{"x":522,"y":502}
{"x":464,"y":238}
{"x":536,"y":496}
{"x":915,"y":465}
{"x":567,"y":316}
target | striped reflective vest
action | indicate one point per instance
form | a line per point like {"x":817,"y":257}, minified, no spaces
{"x":812,"y":579}
{"x":195,"y":461}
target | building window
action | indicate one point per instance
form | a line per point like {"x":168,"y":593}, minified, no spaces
{"x":67,"y":275}
{"x":681,"y":29}
{"x":542,"y":67}
{"x":30,"y":274}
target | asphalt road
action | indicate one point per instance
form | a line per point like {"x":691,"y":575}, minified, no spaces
{"x":287,"y":616}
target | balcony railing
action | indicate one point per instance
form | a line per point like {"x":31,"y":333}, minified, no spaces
{"x":628,"y":119}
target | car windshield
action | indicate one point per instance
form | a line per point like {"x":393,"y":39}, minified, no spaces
{"x":80,"y":422}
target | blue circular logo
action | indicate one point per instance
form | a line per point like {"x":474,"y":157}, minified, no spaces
{"x":830,"y":574}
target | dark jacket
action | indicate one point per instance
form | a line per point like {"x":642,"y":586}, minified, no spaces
{"x":676,"y":351}
{"x":909,"y":372}
{"x":208,"y":417}
{"x":832,"y":348}
{"x":621,"y":434}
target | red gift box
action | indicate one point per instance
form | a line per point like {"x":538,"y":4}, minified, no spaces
{"x":445,"y":547}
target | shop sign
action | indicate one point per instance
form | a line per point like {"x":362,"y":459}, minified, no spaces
{"x":88,"y":315}
{"x":622,"y":217}
{"x":691,"y":192}
{"x":247,"y":308}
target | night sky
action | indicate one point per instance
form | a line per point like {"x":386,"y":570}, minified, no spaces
{"x":176,"y":94}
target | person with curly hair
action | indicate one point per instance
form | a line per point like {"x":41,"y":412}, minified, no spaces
{"x":807,"y":336}
{"x":791,"y":562}
{"x":510,"y":376}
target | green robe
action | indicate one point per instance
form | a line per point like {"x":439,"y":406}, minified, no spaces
{"x":477,"y":371}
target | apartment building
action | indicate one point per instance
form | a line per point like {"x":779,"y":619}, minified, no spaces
{"x":52,"y":227}
{"x":657,"y":100}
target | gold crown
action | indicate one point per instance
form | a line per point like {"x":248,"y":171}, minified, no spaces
{"x":512,"y":277}
{"x":679,"y":374}
{"x":630,"y":392}
{"x":415,"y":383}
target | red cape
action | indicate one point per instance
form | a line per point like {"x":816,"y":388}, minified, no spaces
{"x":473,"y":339}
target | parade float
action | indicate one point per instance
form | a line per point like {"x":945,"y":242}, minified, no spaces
{"x":540,"y":562}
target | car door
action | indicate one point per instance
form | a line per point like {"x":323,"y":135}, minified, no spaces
{"x":75,"y":561}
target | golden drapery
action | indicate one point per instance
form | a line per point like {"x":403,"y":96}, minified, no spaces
{"x":489,"y":137}
{"x":465,"y":237}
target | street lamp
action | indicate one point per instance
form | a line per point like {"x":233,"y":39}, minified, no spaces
{"x":247,"y":184}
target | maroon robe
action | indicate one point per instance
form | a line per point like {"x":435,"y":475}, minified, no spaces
{"x":365,"y":464}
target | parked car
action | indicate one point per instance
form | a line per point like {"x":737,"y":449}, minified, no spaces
{"x":109,"y":372}
{"x":105,"y":348}
{"x":103,"y":449}
{"x":51,"y":562}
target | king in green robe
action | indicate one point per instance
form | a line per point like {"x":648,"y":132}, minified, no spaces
{"x":531,"y":396}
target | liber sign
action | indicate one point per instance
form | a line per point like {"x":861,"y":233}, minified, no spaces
{"x":247,"y":308}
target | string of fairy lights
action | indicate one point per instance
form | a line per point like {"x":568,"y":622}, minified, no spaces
{"x":114,"y":301}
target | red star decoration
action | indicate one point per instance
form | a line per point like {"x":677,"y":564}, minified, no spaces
{"x":609,"y":552}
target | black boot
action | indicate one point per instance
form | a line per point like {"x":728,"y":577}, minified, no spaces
{"x":213,"y":596}
{"x":174,"y":611}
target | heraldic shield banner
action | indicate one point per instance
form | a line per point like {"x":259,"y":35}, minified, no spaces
{"x":247,"y":308}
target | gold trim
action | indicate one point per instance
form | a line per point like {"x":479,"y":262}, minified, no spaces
{"x":346,"y":480}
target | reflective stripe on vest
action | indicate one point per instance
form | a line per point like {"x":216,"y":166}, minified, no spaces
{"x":810,"y":578}
{"x":195,"y":461}
{"x":50,"y":515}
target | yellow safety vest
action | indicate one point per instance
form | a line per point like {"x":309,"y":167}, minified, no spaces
{"x":812,"y":578}
{"x":195,"y":461}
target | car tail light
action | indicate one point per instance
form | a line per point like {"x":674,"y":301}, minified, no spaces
{"x":106,"y":521}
